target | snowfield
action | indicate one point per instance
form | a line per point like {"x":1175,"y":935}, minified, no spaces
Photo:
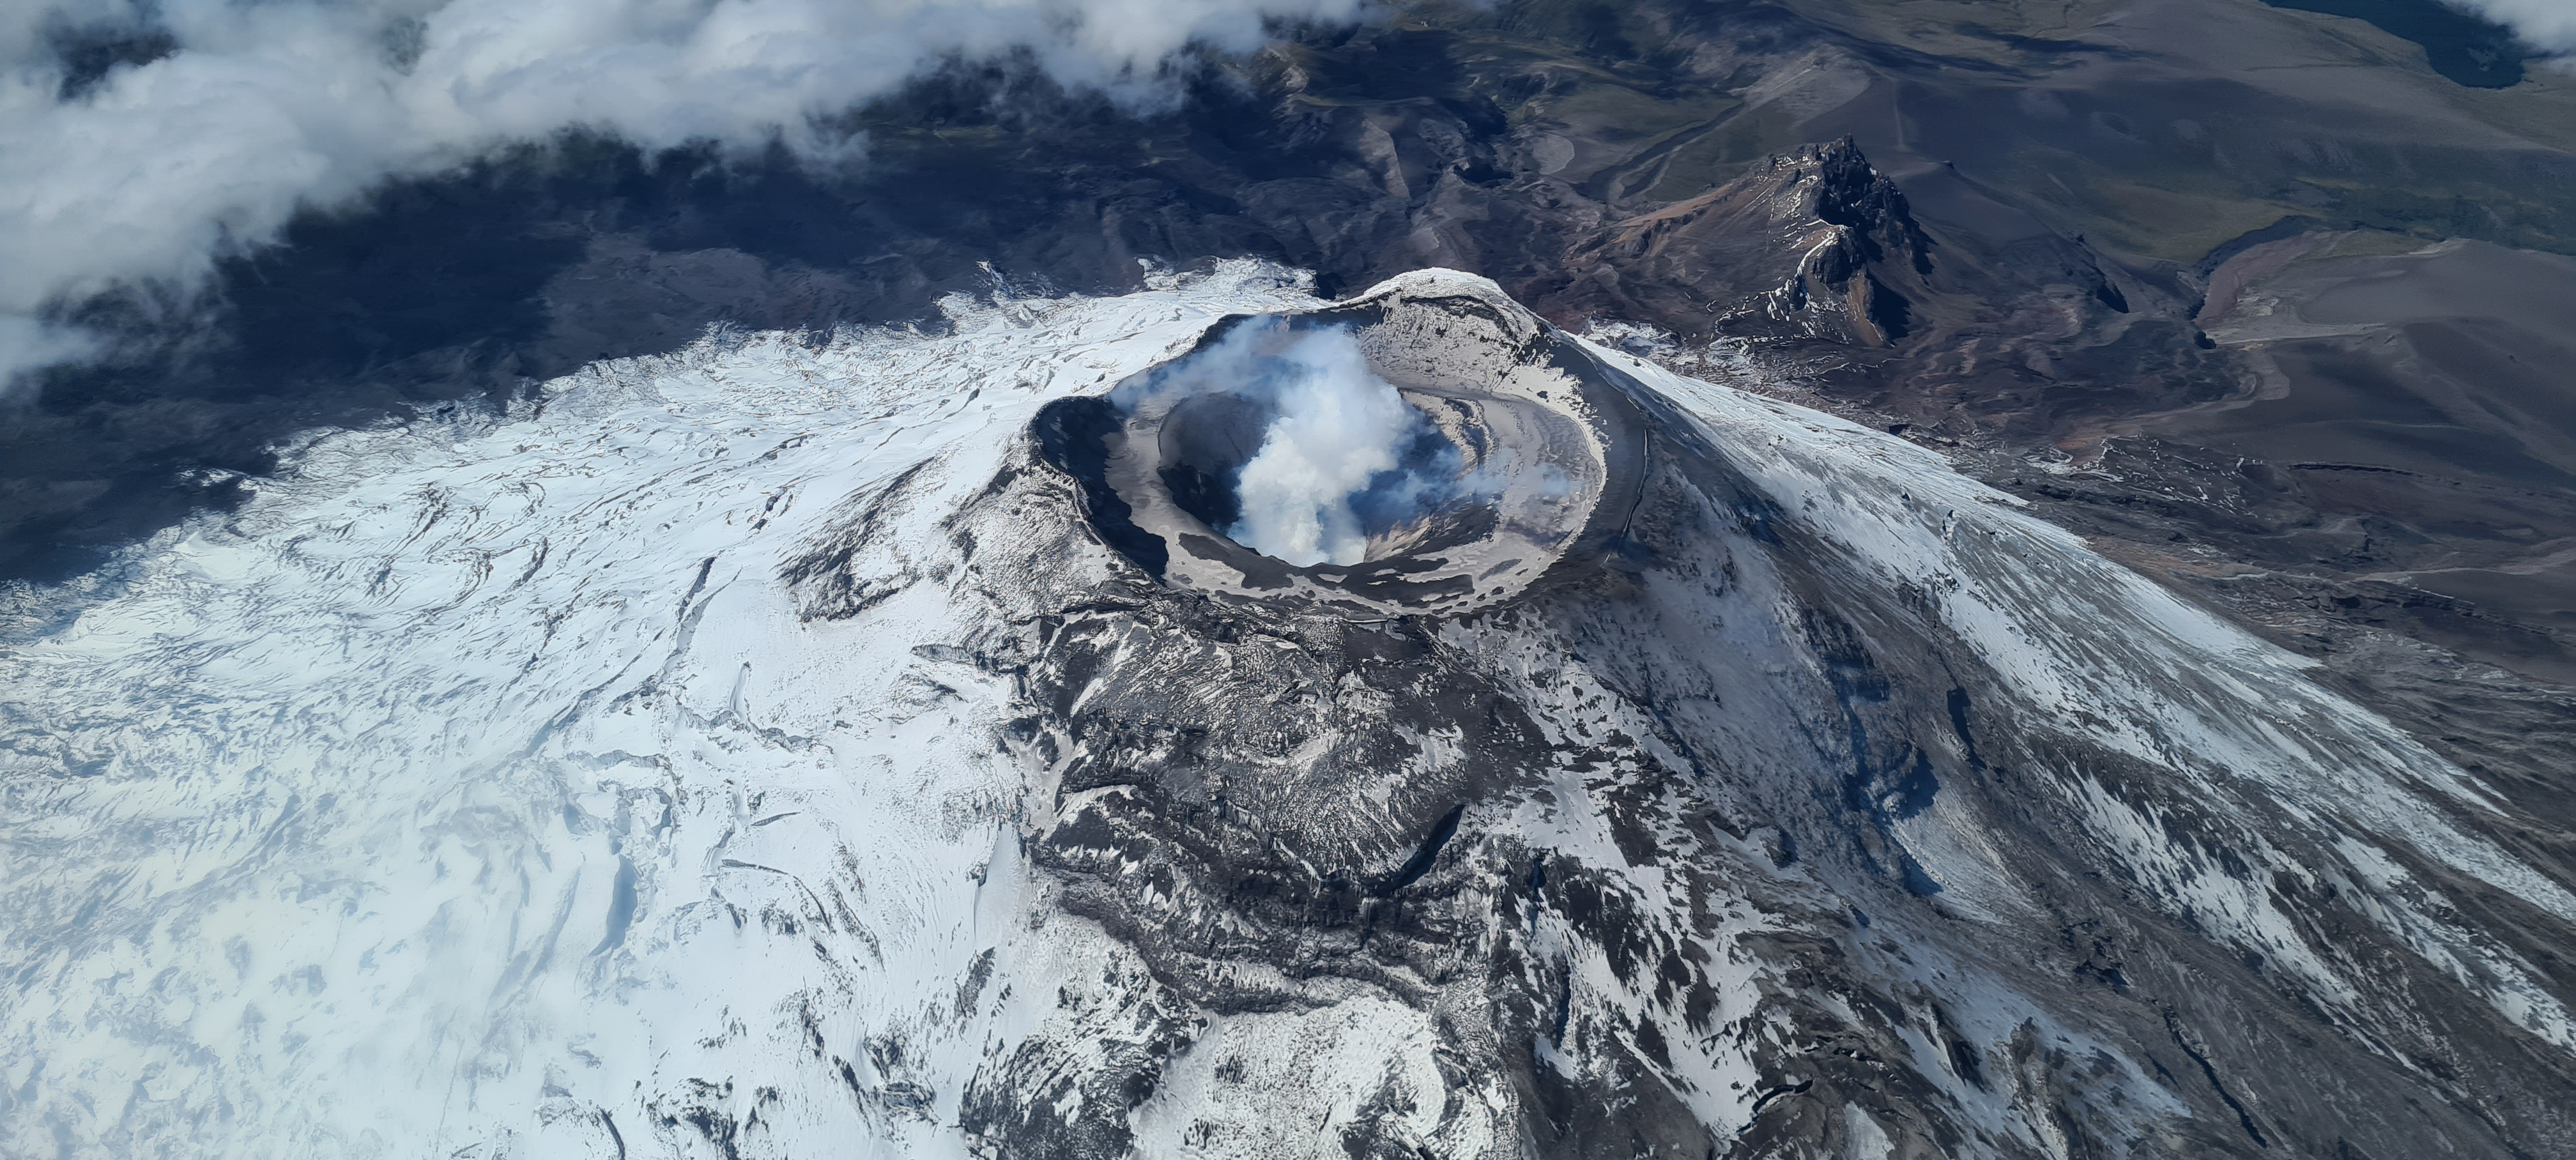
{"x":470,"y":783}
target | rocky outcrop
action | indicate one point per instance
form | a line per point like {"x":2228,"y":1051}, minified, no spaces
{"x":1806,"y":244}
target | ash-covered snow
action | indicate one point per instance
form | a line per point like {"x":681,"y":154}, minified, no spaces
{"x":752,"y":752}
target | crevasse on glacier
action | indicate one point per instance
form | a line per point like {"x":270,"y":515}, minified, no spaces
{"x":711,"y":760}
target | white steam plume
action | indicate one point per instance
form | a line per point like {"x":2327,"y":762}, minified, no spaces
{"x":1340,"y":448}
{"x":158,"y":168}
{"x":1339,"y":427}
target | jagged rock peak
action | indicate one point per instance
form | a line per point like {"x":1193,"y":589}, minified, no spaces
{"x":1812,"y":243}
{"x":1838,"y":185}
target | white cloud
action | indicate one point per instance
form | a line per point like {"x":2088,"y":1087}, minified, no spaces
{"x":2549,"y":25}
{"x":27,"y":344}
{"x":159,"y":168}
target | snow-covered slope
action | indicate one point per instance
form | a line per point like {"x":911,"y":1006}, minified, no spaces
{"x":768,"y":751}
{"x":484,"y":789}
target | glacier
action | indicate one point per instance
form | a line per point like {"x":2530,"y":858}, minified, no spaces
{"x":764,"y":750}
{"x":472,"y":783}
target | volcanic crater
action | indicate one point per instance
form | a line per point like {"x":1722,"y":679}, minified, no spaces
{"x":1524,"y":453}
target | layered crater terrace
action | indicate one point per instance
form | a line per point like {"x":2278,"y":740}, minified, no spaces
{"x":1431,"y":448}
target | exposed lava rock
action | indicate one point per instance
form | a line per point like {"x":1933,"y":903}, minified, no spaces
{"x":1758,"y":836}
{"x":1795,"y":247}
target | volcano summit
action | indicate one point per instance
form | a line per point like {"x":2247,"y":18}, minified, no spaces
{"x":1500,"y":453}
{"x":925,"y":745}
